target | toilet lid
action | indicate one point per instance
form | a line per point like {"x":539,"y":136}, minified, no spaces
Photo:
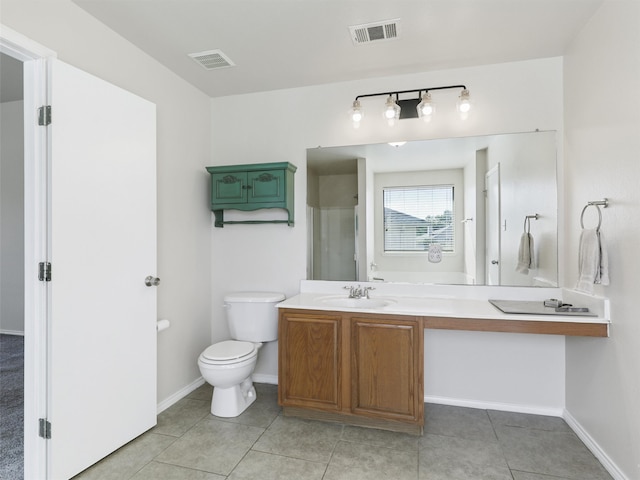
{"x":228,"y":350}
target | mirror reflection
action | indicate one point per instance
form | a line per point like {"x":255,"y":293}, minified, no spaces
{"x":474,"y":211}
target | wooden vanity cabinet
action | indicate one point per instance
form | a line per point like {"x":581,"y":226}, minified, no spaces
{"x":354,"y":368}
{"x":387,"y":368}
{"x":310,"y":360}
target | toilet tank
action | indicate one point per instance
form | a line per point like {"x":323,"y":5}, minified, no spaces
{"x":253,"y":316}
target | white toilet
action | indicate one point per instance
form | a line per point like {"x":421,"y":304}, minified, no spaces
{"x":252,"y":318}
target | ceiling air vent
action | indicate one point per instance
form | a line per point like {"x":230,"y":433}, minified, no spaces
{"x":212,"y":59}
{"x":374,"y":32}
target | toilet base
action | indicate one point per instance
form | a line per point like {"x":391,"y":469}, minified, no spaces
{"x":232,"y":401}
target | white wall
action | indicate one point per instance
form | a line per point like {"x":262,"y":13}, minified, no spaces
{"x":273,"y":257}
{"x":11,"y":217}
{"x":481,"y":369}
{"x":183,"y":132}
{"x":602,"y":127}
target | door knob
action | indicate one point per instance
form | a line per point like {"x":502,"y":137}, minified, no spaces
{"x":152,"y":281}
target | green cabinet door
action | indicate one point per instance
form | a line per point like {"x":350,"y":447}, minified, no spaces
{"x":229,"y":187}
{"x":266,"y":186}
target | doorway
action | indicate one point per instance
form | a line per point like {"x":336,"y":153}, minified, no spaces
{"x":12,"y":267}
{"x":116,"y":238}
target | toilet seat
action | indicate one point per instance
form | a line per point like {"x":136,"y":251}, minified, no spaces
{"x":229,"y":352}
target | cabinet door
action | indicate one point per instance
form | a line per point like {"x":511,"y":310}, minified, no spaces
{"x":309,"y":360}
{"x":229,"y":187}
{"x":386,"y":368}
{"x":266,"y":186}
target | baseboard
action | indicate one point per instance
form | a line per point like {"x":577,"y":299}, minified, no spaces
{"x":505,"y":407}
{"x":593,"y":446}
{"x":179,"y":395}
{"x":264,"y":378}
{"x":11,"y":332}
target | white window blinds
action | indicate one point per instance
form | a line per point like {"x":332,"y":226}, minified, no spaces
{"x":418,"y":216}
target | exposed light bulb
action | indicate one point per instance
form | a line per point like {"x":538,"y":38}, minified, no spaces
{"x":464,"y":103}
{"x":391,"y":111}
{"x":425,"y":108}
{"x":356,"y":113}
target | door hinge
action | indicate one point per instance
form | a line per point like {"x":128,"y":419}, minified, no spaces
{"x":44,"y":272}
{"x":45,"y":428}
{"x":44,"y":115}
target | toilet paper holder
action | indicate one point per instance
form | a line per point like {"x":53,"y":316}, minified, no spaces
{"x":162,"y":324}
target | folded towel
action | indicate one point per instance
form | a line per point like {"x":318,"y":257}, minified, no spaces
{"x":593,"y":261}
{"x":525,"y":254}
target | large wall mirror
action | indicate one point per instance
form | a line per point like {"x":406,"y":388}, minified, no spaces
{"x":450,"y":211}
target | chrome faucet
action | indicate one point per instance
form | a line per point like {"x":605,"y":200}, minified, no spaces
{"x":358,"y":292}
{"x":354,"y":292}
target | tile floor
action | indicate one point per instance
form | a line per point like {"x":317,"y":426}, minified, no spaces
{"x":458,"y":444}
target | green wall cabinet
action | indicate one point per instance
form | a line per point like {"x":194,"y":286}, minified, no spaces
{"x":252,"y":187}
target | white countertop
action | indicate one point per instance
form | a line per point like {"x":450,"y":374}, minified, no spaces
{"x":451,"y":301}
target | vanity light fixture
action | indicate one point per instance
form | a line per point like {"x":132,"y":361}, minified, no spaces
{"x":421,"y":105}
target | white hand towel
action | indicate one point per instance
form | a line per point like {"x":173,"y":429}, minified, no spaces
{"x":603,"y":271}
{"x":525,"y":254}
{"x":593,"y":261}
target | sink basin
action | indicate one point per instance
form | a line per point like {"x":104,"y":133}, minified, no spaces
{"x":357,"y":302}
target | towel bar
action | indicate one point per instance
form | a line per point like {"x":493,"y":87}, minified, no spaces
{"x":604,"y":203}
{"x":527,"y":222}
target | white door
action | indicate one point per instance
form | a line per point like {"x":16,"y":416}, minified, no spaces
{"x":492,"y":267}
{"x":102,"y":245}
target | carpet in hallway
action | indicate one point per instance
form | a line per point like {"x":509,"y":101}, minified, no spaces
{"x":11,"y":406}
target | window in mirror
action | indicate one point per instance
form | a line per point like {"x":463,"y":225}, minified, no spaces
{"x":416,"y":217}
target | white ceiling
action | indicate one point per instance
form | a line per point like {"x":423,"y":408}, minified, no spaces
{"x":278,"y":44}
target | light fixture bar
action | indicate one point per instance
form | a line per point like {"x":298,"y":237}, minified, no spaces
{"x":418,"y":91}
{"x":420,"y":106}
